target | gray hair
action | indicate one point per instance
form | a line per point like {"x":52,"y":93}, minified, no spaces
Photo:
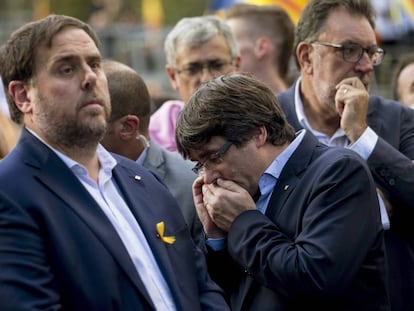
{"x":196,"y":31}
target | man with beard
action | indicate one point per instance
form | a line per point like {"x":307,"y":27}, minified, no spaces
{"x":80,"y":228}
{"x":336,"y":50}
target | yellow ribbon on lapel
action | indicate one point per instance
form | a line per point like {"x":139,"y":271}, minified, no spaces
{"x":165,"y":239}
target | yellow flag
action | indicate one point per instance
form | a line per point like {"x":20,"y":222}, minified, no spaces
{"x":152,"y":13}
{"x":41,"y":8}
{"x":293,"y":7}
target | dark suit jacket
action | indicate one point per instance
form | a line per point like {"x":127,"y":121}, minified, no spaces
{"x":318,"y":246}
{"x":176,"y":173}
{"x":58,"y":250}
{"x":390,"y":164}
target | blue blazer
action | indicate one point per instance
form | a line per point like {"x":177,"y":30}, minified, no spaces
{"x":391,"y":166}
{"x":58,"y":250}
{"x":318,"y":246}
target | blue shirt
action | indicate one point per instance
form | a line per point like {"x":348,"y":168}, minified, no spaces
{"x":267,"y":183}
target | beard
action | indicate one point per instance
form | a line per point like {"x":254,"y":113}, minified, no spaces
{"x":325,"y":92}
{"x":79,"y":130}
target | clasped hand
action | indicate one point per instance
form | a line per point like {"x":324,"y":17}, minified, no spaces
{"x":219,"y":203}
{"x":351,"y":102}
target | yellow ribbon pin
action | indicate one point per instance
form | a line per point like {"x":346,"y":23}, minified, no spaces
{"x":165,"y":239}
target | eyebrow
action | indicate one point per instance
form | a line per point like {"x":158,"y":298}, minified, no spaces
{"x":203,"y":62}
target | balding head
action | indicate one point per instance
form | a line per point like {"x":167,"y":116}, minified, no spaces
{"x":128,"y":92}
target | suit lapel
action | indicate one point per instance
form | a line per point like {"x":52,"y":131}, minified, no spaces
{"x":373,"y":121}
{"x":290,"y":175}
{"x":287,"y":102}
{"x":146,"y":215}
{"x":56,"y":176}
{"x":155,"y":160}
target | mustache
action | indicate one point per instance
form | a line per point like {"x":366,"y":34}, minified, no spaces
{"x":92,"y":98}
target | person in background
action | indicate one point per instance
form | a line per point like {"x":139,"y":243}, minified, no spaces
{"x":9,"y":131}
{"x":9,"y":135}
{"x":197,"y":49}
{"x":127,"y":135}
{"x":264,"y":34}
{"x":403,"y":80}
{"x":336,"y":50}
{"x":80,"y":228}
{"x":4,"y":110}
{"x":314,"y":235}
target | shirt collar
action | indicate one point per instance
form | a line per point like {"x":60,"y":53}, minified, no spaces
{"x":276,"y":167}
{"x":106,"y":160}
{"x":338,"y":138}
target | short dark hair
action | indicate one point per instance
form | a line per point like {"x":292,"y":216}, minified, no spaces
{"x":128,"y":92}
{"x":234,"y":106}
{"x":403,"y":61}
{"x":313,"y":18}
{"x":275,"y":22}
{"x":18,"y":54}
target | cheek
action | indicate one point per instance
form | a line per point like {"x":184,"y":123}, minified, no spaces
{"x":59,"y":90}
{"x":186,"y":89}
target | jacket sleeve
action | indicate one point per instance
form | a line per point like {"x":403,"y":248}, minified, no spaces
{"x":334,"y":215}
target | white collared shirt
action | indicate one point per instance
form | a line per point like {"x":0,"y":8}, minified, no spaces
{"x":106,"y":194}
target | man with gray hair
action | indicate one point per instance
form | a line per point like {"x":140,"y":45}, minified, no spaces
{"x":197,"y":49}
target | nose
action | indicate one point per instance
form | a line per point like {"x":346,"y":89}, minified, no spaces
{"x":209,"y":176}
{"x":89,"y":79}
{"x":364,"y":64}
{"x":206,"y":74}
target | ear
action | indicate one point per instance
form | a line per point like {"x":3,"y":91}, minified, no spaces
{"x":260,"y":136}
{"x":304,"y":55}
{"x":237,"y":62}
{"x":129,"y":127}
{"x":18,"y":91}
{"x":262,"y":47}
{"x":172,"y":76}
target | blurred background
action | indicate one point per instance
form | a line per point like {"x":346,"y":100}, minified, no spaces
{"x":133,"y":31}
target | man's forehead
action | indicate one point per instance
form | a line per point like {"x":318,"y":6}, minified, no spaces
{"x":69,"y":43}
{"x":214,"y":48}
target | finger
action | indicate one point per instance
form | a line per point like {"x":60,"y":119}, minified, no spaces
{"x":229,"y":185}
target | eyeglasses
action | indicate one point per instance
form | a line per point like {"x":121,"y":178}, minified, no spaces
{"x":213,"y":159}
{"x":352,"y":52}
{"x":215,"y":67}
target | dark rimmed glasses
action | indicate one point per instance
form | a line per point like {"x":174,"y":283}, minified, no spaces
{"x":213,"y":159}
{"x":215,"y":67}
{"x":353,"y":52}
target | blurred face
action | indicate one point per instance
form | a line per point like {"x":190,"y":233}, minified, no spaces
{"x":68,"y":94}
{"x":237,"y":163}
{"x":326,"y":67}
{"x":405,"y":84}
{"x":197,"y":65}
{"x":246,"y":44}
